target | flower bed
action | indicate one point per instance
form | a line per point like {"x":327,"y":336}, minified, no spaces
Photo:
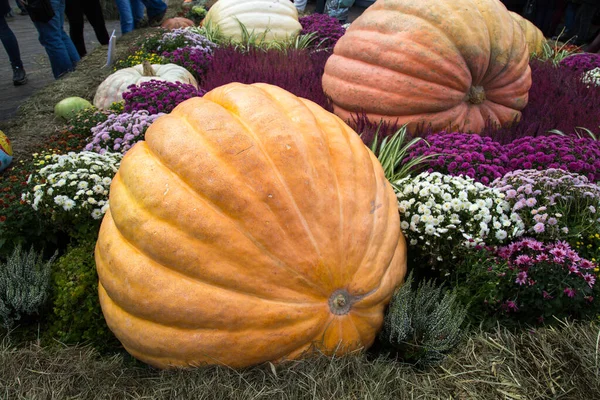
{"x":509,"y":220}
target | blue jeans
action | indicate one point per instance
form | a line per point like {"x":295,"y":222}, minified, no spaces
{"x":59,"y":47}
{"x":10,"y":43}
{"x":132,"y":11}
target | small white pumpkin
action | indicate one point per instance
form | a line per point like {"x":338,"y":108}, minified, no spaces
{"x":111,"y":90}
{"x":268,"y":19}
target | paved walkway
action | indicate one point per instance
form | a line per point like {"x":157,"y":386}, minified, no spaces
{"x":35,"y":62}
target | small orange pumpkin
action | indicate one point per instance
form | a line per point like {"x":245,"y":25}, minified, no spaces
{"x":250,"y":226}
{"x":449,"y":63}
{"x":177,"y":22}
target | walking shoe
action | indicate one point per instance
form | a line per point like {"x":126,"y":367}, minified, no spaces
{"x":155,"y":20}
{"x":19,"y":76}
{"x":143,"y":23}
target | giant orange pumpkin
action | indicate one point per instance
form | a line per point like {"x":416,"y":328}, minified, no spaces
{"x":533,"y":36}
{"x":448,"y":63}
{"x":250,"y":225}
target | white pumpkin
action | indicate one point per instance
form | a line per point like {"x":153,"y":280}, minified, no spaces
{"x":275,"y":19}
{"x":111,"y":90}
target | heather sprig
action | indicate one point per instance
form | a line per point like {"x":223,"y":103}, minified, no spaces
{"x":120,"y":131}
{"x":579,"y":155}
{"x":327,"y":29}
{"x":442,"y":215}
{"x":158,"y":96}
{"x":475,"y":156}
{"x":529,"y":281}
{"x":553,"y":204}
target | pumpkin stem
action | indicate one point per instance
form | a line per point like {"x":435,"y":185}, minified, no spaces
{"x":476,"y":95}
{"x":147,"y":69}
{"x":340,"y":302}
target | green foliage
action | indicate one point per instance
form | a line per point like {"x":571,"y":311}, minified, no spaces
{"x":24,"y":285}
{"x":423,"y":325}
{"x":527,"y":283}
{"x":392,"y":151}
{"x":85,"y":120}
{"x":19,"y":223}
{"x":76,"y":315}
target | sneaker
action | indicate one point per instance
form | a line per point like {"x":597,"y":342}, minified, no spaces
{"x":155,"y":20}
{"x":19,"y":76}
{"x":9,"y":14}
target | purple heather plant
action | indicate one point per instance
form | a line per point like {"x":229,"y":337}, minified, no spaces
{"x":530,"y":281}
{"x":553,"y":204}
{"x":158,"y":96}
{"x":297,"y":71}
{"x":581,"y":62}
{"x":471,"y":155}
{"x":327,"y":29}
{"x":570,"y":153}
{"x":558,"y":99}
{"x":120,"y":131}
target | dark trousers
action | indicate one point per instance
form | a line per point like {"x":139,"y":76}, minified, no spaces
{"x":75,"y":10}
{"x":320,"y":7}
{"x":583,"y":21}
{"x":10,"y":43}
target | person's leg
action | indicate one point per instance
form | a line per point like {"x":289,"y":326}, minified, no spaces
{"x":93,"y":11}
{"x":138,"y":10}
{"x":9,"y":41}
{"x":125,"y":15}
{"x":74,"y":12}
{"x":156,"y":11}
{"x":594,"y":47}
{"x":320,"y":7}
{"x":59,"y":47}
{"x":585,"y":15}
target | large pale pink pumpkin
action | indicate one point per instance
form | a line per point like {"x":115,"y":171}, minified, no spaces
{"x":453,"y":64}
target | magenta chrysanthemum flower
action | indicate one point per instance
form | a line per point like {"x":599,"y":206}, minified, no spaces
{"x":569,"y":292}
{"x":521,"y":278}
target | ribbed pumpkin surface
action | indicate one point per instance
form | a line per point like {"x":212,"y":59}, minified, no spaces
{"x":249,"y":226}
{"x":533,"y":36}
{"x":448,"y":63}
{"x":267,"y":19}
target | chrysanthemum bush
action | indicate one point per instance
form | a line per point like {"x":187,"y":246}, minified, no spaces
{"x":592,"y":77}
{"x":589,"y":247}
{"x":443,"y":215}
{"x":72,"y":189}
{"x":120,"y":131}
{"x":579,"y":155}
{"x":174,"y":39}
{"x":553,"y":204}
{"x":475,"y":156}
{"x":195,"y":59}
{"x":137,"y":58}
{"x":158,"y":96}
{"x":327,"y":30}
{"x":528,"y":281}
{"x":581,"y":62}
